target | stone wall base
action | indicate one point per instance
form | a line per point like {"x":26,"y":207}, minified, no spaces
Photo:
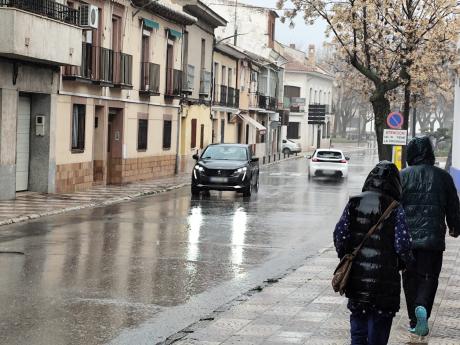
{"x":74,"y":177}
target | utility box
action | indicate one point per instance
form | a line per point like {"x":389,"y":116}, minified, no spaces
{"x":40,"y":126}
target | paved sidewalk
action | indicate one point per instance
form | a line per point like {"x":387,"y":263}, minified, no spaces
{"x":303,"y":309}
{"x":30,"y":205}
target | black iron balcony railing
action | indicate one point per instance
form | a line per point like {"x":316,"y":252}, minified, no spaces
{"x":223,"y":95}
{"x":123,"y":70}
{"x":205,"y":82}
{"x":173,"y":82}
{"x":150,"y":78}
{"x":48,"y":8}
{"x":102,"y":66}
{"x":267,"y":103}
{"x":85,"y":70}
{"x":233,"y":100}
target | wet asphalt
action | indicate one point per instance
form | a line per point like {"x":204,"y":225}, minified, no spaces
{"x":136,"y":272}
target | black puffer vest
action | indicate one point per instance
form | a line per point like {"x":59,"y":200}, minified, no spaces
{"x":375,"y":278}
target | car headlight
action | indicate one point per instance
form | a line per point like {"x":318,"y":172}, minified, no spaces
{"x":199,"y":168}
{"x":242,"y":170}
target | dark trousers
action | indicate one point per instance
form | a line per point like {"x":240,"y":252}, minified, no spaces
{"x":370,"y":328}
{"x":420,"y":282}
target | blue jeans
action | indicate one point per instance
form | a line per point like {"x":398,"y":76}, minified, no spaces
{"x":370,"y":328}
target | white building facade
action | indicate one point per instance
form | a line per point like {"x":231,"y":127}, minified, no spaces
{"x":307,"y":84}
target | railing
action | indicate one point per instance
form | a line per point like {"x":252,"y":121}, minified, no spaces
{"x":173,"y":82}
{"x":123,"y":67}
{"x":189,"y":78}
{"x":233,"y":100}
{"x":205,"y":82}
{"x":48,"y":8}
{"x":150,"y":78}
{"x":85,"y":70}
{"x":268,"y":103}
{"x":105,"y":70}
{"x":223,"y":95}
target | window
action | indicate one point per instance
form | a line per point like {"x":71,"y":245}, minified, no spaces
{"x":193,"y":134}
{"x":203,"y":53}
{"x":167,"y":128}
{"x":78,"y":127}
{"x":142,"y":133}
{"x":293,"y":130}
{"x":201,"y":136}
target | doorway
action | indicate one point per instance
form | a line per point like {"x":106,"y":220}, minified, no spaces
{"x":99,"y":151}
{"x":23,"y":144}
{"x":115,"y":146}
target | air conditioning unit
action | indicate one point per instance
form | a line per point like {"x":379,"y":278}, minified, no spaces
{"x":89,"y":16}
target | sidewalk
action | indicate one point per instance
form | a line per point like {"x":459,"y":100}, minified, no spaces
{"x":30,"y":205}
{"x":301,"y":308}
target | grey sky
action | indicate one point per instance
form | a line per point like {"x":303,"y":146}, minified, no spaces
{"x":302,"y":35}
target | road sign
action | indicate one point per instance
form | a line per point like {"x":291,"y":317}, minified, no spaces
{"x":316,"y":114}
{"x":394,"y":137}
{"x":395,"y":120}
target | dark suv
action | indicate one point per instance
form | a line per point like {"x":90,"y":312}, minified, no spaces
{"x":228,"y":167}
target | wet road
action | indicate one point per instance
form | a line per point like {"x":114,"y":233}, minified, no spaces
{"x":135,"y":272}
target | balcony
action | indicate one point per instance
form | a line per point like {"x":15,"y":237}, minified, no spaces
{"x":205,"y":83}
{"x":189,"y":79}
{"x":150,"y":79}
{"x":294,"y":104}
{"x":173,"y":82}
{"x":226,"y":96}
{"x":102,"y":66}
{"x":123,"y":70}
{"x":233,"y":98}
{"x":267,"y":103}
{"x":41,"y":31}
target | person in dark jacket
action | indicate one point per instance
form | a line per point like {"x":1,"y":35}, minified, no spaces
{"x":374,"y":286}
{"x":429,"y":200}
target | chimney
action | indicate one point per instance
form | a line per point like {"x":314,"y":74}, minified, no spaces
{"x":292,"y":45}
{"x":312,"y":54}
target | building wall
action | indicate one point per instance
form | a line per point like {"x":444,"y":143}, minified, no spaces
{"x":228,"y":62}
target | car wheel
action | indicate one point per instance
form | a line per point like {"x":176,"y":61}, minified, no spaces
{"x":256,"y":185}
{"x":248,"y":190}
{"x":286,"y":151}
{"x":195,"y":191}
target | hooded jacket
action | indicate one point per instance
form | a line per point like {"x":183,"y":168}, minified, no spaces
{"x":374,"y":278}
{"x":429,"y":198}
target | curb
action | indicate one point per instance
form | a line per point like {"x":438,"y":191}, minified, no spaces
{"x":25,"y":218}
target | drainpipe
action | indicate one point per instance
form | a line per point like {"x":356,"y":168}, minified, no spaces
{"x":211,"y":89}
{"x":179,"y":111}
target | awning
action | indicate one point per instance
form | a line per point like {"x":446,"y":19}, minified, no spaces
{"x":150,"y":24}
{"x":174,"y":33}
{"x":253,"y":122}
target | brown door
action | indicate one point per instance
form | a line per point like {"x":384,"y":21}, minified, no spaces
{"x":114,"y":146}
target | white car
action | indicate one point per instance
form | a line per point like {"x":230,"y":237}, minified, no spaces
{"x":328,"y":162}
{"x":289,"y":147}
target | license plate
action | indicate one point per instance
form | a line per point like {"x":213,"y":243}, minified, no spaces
{"x":218,"y":179}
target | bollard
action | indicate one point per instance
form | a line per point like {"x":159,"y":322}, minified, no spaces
{"x":269,"y":159}
{"x":274,"y":158}
{"x":263,"y":160}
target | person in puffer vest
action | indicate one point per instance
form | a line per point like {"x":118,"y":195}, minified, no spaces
{"x":374,"y":286}
{"x":430,"y":200}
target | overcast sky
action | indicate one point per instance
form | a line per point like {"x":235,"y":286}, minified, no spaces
{"x":302,"y":35}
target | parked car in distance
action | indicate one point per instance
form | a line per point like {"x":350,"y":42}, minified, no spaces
{"x":328,"y":162}
{"x":226,"y":167}
{"x":289,"y":146}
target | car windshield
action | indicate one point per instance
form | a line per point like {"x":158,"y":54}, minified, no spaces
{"x":228,"y":153}
{"x":329,"y":154}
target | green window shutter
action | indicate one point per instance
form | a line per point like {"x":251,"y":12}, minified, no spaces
{"x":150,"y":24}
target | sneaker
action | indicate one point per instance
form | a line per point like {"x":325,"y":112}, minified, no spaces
{"x":411,"y":329}
{"x":421,"y":329}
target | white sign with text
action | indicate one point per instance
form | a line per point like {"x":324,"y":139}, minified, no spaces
{"x":395,"y":137}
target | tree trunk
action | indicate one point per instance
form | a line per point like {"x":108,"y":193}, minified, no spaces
{"x":381,"y":107}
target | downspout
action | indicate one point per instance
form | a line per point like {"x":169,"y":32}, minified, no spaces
{"x":212,"y":86}
{"x":180,"y":110}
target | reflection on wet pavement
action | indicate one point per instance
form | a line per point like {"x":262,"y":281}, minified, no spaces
{"x":88,"y":276}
